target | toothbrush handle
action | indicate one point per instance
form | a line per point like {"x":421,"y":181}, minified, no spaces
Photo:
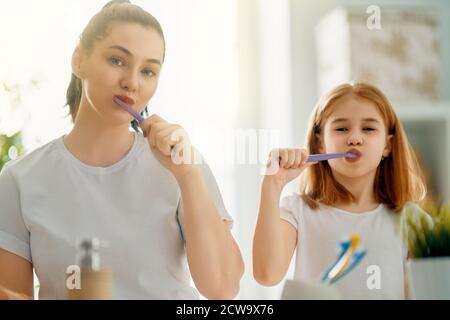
{"x":325,"y":156}
{"x":344,"y":247}
{"x":357,"y":258}
{"x":125,"y":107}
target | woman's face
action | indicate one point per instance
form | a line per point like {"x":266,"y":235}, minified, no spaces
{"x":355,"y":125}
{"x":125,"y":63}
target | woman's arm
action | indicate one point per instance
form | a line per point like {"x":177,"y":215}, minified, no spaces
{"x":214,"y":257}
{"x":16,"y":277}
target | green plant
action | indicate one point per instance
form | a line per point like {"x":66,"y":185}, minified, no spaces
{"x":10,"y":147}
{"x":429,"y":236}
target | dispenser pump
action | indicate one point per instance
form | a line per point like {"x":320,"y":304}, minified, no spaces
{"x":89,"y":257}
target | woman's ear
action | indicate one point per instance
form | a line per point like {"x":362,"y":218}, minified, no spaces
{"x":77,"y":60}
{"x":388,"y":148}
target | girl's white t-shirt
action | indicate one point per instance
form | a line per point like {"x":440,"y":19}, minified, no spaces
{"x":49,"y":200}
{"x":379,"y":275}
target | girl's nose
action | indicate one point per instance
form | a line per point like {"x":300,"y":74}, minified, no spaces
{"x":355,"y":139}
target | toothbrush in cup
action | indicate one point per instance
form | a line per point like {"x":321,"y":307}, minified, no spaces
{"x":357,"y":256}
{"x":347,"y":260}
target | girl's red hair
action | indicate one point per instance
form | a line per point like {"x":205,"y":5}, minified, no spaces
{"x":399,"y":178}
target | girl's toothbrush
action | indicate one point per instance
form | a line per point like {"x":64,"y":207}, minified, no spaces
{"x":357,"y":257}
{"x":328,"y":156}
{"x":125,"y":107}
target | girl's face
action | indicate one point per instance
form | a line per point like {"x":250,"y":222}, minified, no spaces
{"x":125,"y":63}
{"x":355,"y":125}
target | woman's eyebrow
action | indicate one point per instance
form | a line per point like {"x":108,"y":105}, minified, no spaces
{"x":128,"y":53}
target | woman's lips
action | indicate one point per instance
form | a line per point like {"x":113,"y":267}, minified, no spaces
{"x":129,"y":101}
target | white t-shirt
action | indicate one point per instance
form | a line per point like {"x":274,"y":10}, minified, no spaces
{"x":49,"y":200}
{"x":320,"y":233}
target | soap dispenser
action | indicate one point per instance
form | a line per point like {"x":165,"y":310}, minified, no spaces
{"x":95,"y":281}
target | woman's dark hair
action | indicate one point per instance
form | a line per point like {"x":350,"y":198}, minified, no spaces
{"x":97,"y":29}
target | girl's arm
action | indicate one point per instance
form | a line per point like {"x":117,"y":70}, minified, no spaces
{"x":214,"y":258}
{"x":275,"y":239}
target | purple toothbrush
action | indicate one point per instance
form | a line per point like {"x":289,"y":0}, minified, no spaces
{"x":328,"y":156}
{"x":125,"y":107}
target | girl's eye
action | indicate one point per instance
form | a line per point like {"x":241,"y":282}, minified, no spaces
{"x":369,"y":129}
{"x":341,"y":129}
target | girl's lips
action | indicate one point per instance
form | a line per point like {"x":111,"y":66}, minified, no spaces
{"x":352,"y":159}
{"x":355,"y":152}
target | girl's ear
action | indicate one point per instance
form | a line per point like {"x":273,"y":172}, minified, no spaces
{"x":77,"y":60}
{"x":388,"y":148}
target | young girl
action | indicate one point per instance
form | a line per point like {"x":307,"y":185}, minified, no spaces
{"x":163,"y":221}
{"x":339,"y":197}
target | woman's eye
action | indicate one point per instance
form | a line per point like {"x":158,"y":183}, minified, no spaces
{"x":115,"y":61}
{"x":119,"y":62}
{"x":148,"y":73}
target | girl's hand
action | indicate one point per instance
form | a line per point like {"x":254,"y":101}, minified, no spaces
{"x":284,"y":165}
{"x":170,"y":144}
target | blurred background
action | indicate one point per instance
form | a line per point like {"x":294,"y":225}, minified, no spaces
{"x":242,"y":78}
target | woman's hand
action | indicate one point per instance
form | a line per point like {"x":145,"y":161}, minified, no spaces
{"x":284,"y":165}
{"x":214,"y":258}
{"x":171,"y":145}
